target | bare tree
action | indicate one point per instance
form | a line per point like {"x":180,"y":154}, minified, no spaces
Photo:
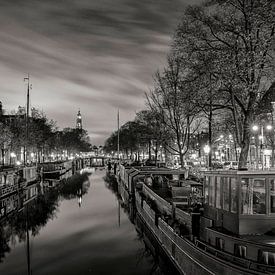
{"x":240,"y":34}
{"x":173,"y":98}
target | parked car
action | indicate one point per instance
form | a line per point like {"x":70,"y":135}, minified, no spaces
{"x":230,"y":165}
{"x":217,"y":165}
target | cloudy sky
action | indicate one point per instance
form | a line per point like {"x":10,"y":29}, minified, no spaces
{"x":96,"y":55}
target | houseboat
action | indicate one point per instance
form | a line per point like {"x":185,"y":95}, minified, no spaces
{"x":17,"y":187}
{"x":224,"y":226}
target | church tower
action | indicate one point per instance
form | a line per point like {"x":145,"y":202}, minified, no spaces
{"x":79,"y":121}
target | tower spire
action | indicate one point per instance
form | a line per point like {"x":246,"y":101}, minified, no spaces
{"x":79,"y":120}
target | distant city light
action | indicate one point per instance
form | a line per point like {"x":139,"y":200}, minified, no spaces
{"x":193,"y":156}
{"x":269,"y":127}
{"x":13,"y":155}
{"x":255,"y":128}
{"x":32,"y":155}
{"x":206,"y":149}
{"x":18,"y":163}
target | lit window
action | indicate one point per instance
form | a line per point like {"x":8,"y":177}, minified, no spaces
{"x":220,"y":244}
{"x":240,"y":250}
{"x":266,"y":257}
{"x":206,"y":190}
{"x":253,"y":196}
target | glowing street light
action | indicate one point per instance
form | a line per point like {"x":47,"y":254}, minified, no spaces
{"x":206,"y":149}
{"x":255,"y":128}
{"x":13,"y":155}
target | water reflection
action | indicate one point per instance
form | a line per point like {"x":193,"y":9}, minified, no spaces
{"x":73,"y":230}
{"x":160,"y":263}
{"x":35,"y":214}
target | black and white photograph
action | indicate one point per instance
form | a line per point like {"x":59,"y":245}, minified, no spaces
{"x":137,"y":137}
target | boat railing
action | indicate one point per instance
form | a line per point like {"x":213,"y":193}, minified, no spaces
{"x":183,"y":217}
{"x":246,"y":263}
{"x":161,"y":203}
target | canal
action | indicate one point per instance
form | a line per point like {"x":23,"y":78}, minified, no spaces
{"x":76,"y":231}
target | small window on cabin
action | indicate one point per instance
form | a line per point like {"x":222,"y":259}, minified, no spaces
{"x":234,"y":195}
{"x":225,"y":192}
{"x":218,"y":192}
{"x":240,"y":250}
{"x":220,"y":244}
{"x":211,"y":191}
{"x":206,"y":190}
{"x":259,"y":196}
{"x":272,"y":195}
{"x":266,"y":257}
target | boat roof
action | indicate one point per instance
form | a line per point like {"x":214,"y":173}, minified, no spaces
{"x":159,"y":171}
{"x":240,"y":172}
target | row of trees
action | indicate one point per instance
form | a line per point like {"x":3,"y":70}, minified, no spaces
{"x":218,"y":72}
{"x":40,"y":138}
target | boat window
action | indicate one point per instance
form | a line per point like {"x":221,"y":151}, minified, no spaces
{"x":240,"y":250}
{"x":220,"y":243}
{"x":225,"y":192}
{"x":272,"y":195}
{"x":259,"y":197}
{"x":253,"y":196}
{"x":267,"y":257}
{"x":206,"y":187}
{"x":212,"y":191}
{"x":218,"y":192}
{"x":233,"y":195}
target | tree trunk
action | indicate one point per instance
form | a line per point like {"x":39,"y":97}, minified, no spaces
{"x":181,"y":160}
{"x":3,"y":156}
{"x":210,"y":134}
{"x":149,"y":149}
{"x":272,"y":153}
{"x":156,"y":154}
{"x":245,"y":143}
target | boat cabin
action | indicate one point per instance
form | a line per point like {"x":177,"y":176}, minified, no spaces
{"x":242,"y":202}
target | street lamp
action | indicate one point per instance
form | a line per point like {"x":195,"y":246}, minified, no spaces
{"x":206,"y":150}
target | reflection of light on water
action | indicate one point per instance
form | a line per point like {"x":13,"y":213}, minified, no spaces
{"x":89,"y":170}
{"x":79,"y":197}
{"x":272,"y":243}
{"x":80,"y":201}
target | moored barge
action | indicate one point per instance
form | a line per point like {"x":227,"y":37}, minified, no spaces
{"x":224,"y":227}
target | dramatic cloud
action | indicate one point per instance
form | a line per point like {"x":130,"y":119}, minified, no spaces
{"x":94,"y":55}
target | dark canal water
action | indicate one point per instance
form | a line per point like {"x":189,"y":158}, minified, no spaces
{"x":77,"y":229}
